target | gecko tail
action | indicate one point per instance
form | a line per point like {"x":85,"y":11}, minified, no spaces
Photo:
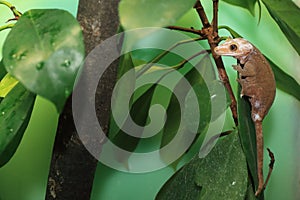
{"x":259,"y":150}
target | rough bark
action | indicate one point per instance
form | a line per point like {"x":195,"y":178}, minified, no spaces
{"x":72,"y":167}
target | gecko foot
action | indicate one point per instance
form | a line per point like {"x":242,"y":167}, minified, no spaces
{"x":258,"y":191}
{"x":235,"y":67}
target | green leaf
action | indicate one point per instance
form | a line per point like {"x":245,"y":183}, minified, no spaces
{"x":15,"y":112}
{"x":6,"y":84}
{"x":247,"y":134}
{"x":233,"y":33}
{"x":247,"y":4}
{"x":182,"y":184}
{"x":285,"y":82}
{"x":139,"y":115}
{"x":44,"y":51}
{"x":193,"y":123}
{"x":286,"y":14}
{"x":250,"y":194}
{"x":222,"y":174}
{"x":152,"y":13}
{"x":122,"y":91}
{"x":3,"y":71}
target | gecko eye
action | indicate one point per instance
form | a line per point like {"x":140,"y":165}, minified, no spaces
{"x":233,"y":47}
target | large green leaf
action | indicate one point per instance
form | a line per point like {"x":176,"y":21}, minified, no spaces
{"x":44,"y":51}
{"x":15,"y":112}
{"x":285,"y":82}
{"x":247,"y":4}
{"x":182,"y":184}
{"x":247,"y":134}
{"x":195,"y":118}
{"x":122,"y":91}
{"x":222,"y":174}
{"x":152,"y":13}
{"x":139,"y":114}
{"x":287,"y":15}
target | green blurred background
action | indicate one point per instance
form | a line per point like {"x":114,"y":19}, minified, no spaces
{"x":25,"y":176}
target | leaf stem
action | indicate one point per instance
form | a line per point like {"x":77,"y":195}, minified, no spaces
{"x":16,"y":13}
{"x":213,"y":39}
{"x":6,"y":4}
{"x":160,"y":56}
{"x":231,"y":31}
{"x":189,"y":30}
{"x":182,"y":63}
{"x":271,"y":165}
{"x":7,"y":26}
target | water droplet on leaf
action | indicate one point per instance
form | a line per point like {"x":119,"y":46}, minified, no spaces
{"x":11,"y":130}
{"x":21,"y":56}
{"x":39,"y":66}
{"x":67,"y":93}
{"x":66,"y":63}
{"x":3,"y":113}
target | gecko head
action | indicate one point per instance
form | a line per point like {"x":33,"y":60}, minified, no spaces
{"x":238,"y":48}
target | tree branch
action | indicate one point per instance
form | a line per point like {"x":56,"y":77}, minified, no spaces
{"x":189,"y":30}
{"x":211,"y":33}
{"x":215,"y":16}
{"x":72,"y":167}
{"x":200,"y":10}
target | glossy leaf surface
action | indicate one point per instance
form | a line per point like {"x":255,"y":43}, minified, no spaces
{"x":15,"y":112}
{"x":44,"y":51}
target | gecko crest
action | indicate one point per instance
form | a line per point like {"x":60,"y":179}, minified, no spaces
{"x":238,"y":48}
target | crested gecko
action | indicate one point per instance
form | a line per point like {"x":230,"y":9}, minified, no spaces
{"x":258,"y":83}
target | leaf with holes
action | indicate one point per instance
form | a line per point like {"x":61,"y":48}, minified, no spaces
{"x":44,"y":51}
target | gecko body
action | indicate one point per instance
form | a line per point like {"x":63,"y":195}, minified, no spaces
{"x":258,"y":83}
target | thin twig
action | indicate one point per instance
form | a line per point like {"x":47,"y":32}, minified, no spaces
{"x":7,"y":26}
{"x":215,"y":16}
{"x":16,"y":13}
{"x":271,"y":165}
{"x":200,"y":10}
{"x":189,"y":30}
{"x":213,"y":40}
{"x":182,"y":63}
{"x":160,"y":56}
{"x":224,"y":78}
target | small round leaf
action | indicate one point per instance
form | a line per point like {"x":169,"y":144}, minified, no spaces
{"x":44,"y":51}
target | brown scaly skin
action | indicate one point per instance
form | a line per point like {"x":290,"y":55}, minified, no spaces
{"x":258,"y":83}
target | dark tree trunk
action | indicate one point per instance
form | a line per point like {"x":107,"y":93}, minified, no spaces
{"x":72,"y":167}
